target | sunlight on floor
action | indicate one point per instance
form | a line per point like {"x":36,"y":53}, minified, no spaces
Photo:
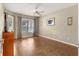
{"x":14,"y":50}
{"x":25,"y":45}
{"x":29,"y":45}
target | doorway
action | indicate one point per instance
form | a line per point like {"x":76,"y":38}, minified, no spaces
{"x":27,"y":27}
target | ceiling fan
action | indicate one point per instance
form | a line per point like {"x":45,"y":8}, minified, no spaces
{"x":36,"y":11}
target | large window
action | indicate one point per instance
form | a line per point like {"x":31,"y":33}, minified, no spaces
{"x":10,"y":23}
{"x":27,"y":25}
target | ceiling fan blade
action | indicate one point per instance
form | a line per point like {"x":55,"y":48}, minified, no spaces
{"x":38,"y":13}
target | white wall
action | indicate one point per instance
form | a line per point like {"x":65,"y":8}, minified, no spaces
{"x":61,"y":31}
{"x":1,"y":25}
{"x":1,"y":20}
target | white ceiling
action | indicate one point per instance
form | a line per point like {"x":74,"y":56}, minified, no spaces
{"x":27,"y":8}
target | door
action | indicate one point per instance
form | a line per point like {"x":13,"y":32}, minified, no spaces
{"x":27,"y":27}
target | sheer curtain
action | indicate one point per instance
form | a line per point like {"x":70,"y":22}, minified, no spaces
{"x":19,"y":28}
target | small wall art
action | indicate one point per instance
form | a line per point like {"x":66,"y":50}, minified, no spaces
{"x":69,"y":20}
{"x":51,"y":21}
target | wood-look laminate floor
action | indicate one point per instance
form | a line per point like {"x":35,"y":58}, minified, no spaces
{"x":39,"y":46}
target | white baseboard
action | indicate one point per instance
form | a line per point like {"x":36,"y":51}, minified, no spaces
{"x":59,"y":40}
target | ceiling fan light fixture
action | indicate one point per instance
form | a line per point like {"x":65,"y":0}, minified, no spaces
{"x":35,"y":14}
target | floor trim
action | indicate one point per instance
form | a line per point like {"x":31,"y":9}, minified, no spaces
{"x":59,"y":40}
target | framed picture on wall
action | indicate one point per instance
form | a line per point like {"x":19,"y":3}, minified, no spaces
{"x":51,"y":21}
{"x":69,"y":20}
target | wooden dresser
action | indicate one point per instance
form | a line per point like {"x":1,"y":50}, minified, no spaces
{"x":8,"y":43}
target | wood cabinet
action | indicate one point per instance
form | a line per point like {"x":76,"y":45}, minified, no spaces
{"x":8,"y":44}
